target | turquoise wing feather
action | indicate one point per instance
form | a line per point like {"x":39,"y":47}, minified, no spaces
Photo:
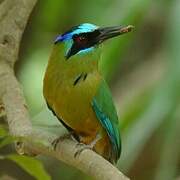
{"x":106,"y":113}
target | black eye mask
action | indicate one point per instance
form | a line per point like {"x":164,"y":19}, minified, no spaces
{"x":83,"y":41}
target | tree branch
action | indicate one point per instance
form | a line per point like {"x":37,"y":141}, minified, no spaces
{"x":87,"y":161}
{"x":13,"y":18}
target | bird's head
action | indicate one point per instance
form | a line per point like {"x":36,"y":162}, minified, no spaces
{"x":86,"y":37}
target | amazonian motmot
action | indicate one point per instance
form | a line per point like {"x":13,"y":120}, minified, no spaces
{"x":76,"y":91}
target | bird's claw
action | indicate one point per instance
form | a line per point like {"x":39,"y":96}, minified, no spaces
{"x":81,"y":147}
{"x":60,"y":139}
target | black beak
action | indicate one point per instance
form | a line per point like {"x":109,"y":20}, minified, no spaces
{"x":110,"y":32}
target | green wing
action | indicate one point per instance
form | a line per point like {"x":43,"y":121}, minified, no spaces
{"x":105,"y":111}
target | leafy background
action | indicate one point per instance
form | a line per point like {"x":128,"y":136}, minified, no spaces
{"x":143,"y":71}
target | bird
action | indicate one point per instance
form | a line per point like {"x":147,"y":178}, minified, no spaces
{"x":76,"y":91}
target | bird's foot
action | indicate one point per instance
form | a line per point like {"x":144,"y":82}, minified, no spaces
{"x":81,"y":147}
{"x":61,"y":138}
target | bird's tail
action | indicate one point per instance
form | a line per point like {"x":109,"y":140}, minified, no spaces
{"x":104,"y":148}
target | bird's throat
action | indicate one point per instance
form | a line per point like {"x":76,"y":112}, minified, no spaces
{"x":74,"y":71}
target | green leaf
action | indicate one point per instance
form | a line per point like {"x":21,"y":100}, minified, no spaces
{"x":30,"y":165}
{"x":6,"y":140}
{"x":3,"y":131}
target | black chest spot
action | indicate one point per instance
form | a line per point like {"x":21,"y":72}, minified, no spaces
{"x":79,"y":78}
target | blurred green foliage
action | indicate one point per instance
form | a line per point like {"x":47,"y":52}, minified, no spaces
{"x":143,"y":69}
{"x":31,"y":165}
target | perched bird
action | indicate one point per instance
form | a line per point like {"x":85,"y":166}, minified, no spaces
{"x":76,"y":91}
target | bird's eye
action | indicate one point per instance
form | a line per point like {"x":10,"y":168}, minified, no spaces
{"x":81,"y":40}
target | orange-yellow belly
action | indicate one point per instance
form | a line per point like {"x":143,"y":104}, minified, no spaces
{"x":72,"y":104}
